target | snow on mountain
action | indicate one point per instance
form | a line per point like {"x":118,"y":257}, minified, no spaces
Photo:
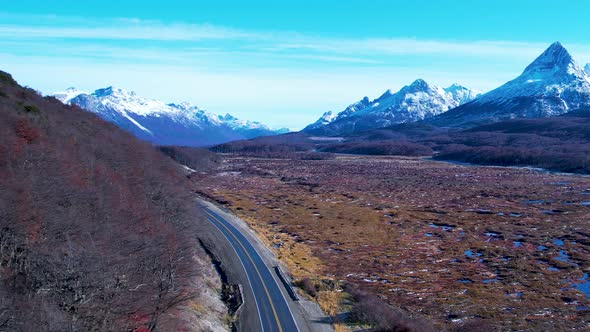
{"x":587,"y":69}
{"x":413,"y":102}
{"x":250,"y":128}
{"x":67,"y":95}
{"x":325,"y":119}
{"x":552,"y":84}
{"x":161,"y":123}
{"x":236,"y":123}
{"x":462,"y":94}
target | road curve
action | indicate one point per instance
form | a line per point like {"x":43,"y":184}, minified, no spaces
{"x":273,"y":310}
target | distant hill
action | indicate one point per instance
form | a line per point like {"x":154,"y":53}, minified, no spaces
{"x":164,"y":124}
{"x":559,"y":143}
{"x":96,"y":227}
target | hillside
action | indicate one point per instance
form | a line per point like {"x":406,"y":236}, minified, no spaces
{"x":560,"y":143}
{"x":97,"y":231}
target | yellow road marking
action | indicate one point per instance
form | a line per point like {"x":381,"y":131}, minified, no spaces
{"x":255,"y":268}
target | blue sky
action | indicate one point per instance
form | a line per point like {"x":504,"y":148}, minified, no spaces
{"x":280,"y":62}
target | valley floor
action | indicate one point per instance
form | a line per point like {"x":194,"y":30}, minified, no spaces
{"x":449,"y":243}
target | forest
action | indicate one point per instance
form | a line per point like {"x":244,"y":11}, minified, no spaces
{"x":96,"y":230}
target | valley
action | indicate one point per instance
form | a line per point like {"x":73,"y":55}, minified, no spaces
{"x":449,"y":244}
{"x":388,"y":166}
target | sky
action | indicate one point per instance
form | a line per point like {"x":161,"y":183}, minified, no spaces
{"x":283,"y":63}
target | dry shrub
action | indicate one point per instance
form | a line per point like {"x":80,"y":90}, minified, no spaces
{"x":372,"y":310}
{"x":308,"y":286}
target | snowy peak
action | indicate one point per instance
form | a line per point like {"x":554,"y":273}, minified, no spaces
{"x":67,"y":95}
{"x":555,"y":59}
{"x":587,"y":69}
{"x":416,"y":101}
{"x":553,"y":74}
{"x":227,"y":117}
{"x":552,"y":84}
{"x":185,"y":107}
{"x":328,"y":117}
{"x":462,"y":94}
{"x":418,"y":85}
{"x":325,"y":119}
{"x":109,"y":91}
{"x":555,"y":64}
{"x":238,"y":124}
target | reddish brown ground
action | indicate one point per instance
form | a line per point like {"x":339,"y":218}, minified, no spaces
{"x":367,"y":221}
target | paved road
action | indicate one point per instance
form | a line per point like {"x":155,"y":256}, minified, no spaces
{"x":273,"y":310}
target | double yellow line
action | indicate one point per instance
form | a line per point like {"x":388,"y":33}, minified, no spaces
{"x":274,"y":311}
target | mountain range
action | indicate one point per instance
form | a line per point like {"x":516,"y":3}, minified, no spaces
{"x":552,"y":84}
{"x":164,"y":124}
{"x":414,"y":102}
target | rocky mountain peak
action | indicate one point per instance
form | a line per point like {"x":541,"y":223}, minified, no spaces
{"x":554,"y":60}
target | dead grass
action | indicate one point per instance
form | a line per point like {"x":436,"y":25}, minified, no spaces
{"x":297,"y":257}
{"x":331,"y":301}
{"x":380,"y":223}
{"x":340,"y":327}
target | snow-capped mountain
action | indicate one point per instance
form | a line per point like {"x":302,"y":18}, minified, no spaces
{"x":587,"y":68}
{"x":161,"y":123}
{"x":417,"y":101}
{"x":249,"y":128}
{"x":67,"y":95}
{"x":325,"y":119}
{"x":551,"y":85}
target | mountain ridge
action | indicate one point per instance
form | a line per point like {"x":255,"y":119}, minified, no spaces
{"x":164,"y":124}
{"x":416,"y":101}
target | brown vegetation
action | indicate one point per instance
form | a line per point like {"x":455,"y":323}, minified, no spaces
{"x":200,"y":160}
{"x":370,"y":309}
{"x":95,"y":228}
{"x":560,"y":143}
{"x":383,"y":148}
{"x":456,"y":245}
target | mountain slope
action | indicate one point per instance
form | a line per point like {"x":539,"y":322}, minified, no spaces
{"x":417,"y":101}
{"x":160,"y":123}
{"x":97,"y":229}
{"x":553,"y":84}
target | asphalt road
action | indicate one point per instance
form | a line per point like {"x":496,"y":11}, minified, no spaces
{"x":273,"y":310}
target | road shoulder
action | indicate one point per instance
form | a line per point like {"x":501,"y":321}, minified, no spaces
{"x":307,"y":314}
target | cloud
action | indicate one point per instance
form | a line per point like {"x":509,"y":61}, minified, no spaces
{"x":128,"y":31}
{"x":423,"y":47}
{"x":259,"y":75}
{"x":61,"y":27}
{"x":408,"y":46}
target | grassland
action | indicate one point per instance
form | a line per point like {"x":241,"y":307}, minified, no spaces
{"x":445,"y":242}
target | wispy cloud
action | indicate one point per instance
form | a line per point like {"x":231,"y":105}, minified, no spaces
{"x":266,"y":71}
{"x":128,"y":30}
{"x":74,"y":28}
{"x":407,"y":46}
